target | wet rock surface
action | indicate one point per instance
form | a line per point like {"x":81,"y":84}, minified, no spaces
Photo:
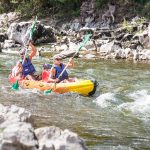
{"x":17,"y":133}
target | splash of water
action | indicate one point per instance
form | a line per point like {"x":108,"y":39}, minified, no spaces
{"x":140,"y":105}
{"x":106,"y":100}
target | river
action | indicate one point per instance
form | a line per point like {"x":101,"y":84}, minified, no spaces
{"x":116,"y":117}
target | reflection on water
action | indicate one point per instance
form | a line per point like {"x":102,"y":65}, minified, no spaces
{"x":116,"y":117}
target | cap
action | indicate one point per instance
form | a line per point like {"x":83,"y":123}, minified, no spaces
{"x":22,"y":51}
{"x":56,"y":57}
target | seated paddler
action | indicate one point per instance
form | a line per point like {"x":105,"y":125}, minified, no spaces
{"x":24,"y":69}
{"x":58,"y":67}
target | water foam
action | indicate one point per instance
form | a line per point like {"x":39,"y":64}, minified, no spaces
{"x":106,"y":100}
{"x":140,"y":104}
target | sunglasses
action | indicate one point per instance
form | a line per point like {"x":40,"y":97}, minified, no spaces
{"x":58,"y":59}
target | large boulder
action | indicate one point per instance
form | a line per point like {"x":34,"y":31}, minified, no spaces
{"x":11,"y":114}
{"x":44,"y":34}
{"x":20,"y":32}
{"x":18,"y":136}
{"x":110,"y":47}
{"x":53,"y":138}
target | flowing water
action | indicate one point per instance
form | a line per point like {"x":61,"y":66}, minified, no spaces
{"x":116,"y":117}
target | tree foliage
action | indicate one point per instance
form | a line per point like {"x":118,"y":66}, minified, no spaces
{"x":41,"y":8}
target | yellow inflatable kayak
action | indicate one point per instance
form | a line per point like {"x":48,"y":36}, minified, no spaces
{"x":84,"y":87}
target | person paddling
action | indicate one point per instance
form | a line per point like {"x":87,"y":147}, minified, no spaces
{"x":57,"y":68}
{"x":26,"y":68}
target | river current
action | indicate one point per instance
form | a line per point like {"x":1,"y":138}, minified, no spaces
{"x":116,"y":117}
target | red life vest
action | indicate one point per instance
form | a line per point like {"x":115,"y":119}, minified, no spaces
{"x":45,"y":75}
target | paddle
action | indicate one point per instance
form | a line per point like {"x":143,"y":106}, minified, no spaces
{"x":83,"y":43}
{"x":15,"y":86}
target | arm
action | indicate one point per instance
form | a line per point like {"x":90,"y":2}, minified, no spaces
{"x":52,"y":75}
{"x":17,"y":69}
{"x":33,"y":49}
{"x":70,"y":63}
{"x":20,"y":68}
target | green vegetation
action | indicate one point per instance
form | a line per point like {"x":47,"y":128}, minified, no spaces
{"x":60,"y":8}
{"x":130,"y":25}
{"x":29,"y":8}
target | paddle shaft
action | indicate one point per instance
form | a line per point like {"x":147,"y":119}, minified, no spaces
{"x":75,"y":54}
{"x":31,"y":33}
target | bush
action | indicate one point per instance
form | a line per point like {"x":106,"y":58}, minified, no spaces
{"x":146,"y":10}
{"x":101,"y":3}
{"x":1,"y":9}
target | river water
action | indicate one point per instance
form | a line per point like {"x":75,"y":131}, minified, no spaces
{"x":116,"y":117}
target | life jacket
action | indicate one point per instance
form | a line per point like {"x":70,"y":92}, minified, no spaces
{"x":59,"y":69}
{"x":28,"y":67}
{"x":45,"y":75}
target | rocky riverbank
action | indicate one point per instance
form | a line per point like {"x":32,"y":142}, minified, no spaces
{"x":127,"y":41}
{"x":17,"y":133}
{"x":111,"y":39}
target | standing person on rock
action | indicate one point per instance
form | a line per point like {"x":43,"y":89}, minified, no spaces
{"x":24,"y":69}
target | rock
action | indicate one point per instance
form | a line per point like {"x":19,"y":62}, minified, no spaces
{"x":54,"y":138}
{"x":143,"y":38}
{"x":66,"y":54}
{"x":110,"y":47}
{"x":9,"y":44}
{"x":75,"y":25}
{"x":109,"y":13}
{"x":20,"y":32}
{"x":13,"y":114}
{"x":44,"y":34}
{"x":127,"y":37}
{"x":3,"y":37}
{"x":89,"y":56}
{"x":135,"y":55}
{"x":19,"y":136}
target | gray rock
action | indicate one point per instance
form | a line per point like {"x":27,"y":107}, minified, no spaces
{"x":90,"y":56}
{"x":20,"y":32}
{"x":13,"y":114}
{"x":3,"y":37}
{"x":53,"y":138}
{"x":9,"y":44}
{"x":19,"y":136}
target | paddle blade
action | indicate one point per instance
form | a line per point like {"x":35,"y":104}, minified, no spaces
{"x":47,"y":92}
{"x":33,"y":28}
{"x":15,"y":86}
{"x":84,"y":42}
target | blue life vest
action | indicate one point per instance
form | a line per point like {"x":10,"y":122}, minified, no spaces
{"x":58,"y":72}
{"x":28,"y":67}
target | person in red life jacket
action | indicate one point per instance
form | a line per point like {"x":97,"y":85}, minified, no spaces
{"x":57,"y":68}
{"x":46,"y":72}
{"x":28,"y":70}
